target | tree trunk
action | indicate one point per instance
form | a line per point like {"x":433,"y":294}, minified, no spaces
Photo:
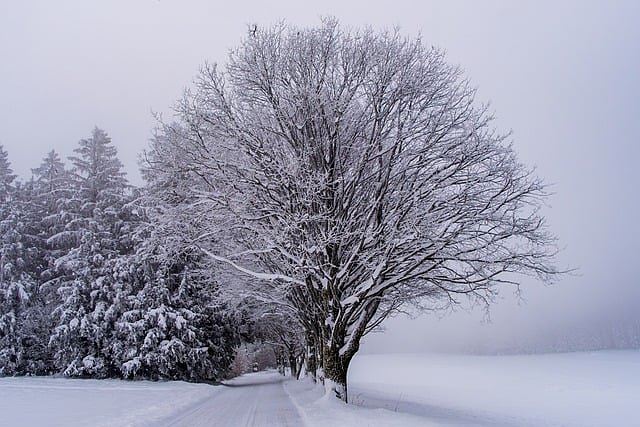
{"x":301,"y":364}
{"x":281,"y":362}
{"x":335,"y":371}
{"x":312,"y":359}
{"x":336,"y":363}
{"x":293,"y":365}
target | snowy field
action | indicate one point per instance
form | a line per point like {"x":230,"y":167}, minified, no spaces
{"x":27,"y":402}
{"x":565,"y":389}
{"x":570,"y":389}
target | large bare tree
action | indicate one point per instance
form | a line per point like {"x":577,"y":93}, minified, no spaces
{"x":354,"y":173}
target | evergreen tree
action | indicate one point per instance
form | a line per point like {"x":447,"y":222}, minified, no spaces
{"x":53,"y":198}
{"x":15,"y":282}
{"x":175,"y":327}
{"x":98,"y":226}
{"x":35,"y":321}
{"x":7,"y":178}
{"x":43,"y":202}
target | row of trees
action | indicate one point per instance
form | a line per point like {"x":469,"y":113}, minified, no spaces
{"x":341,"y":175}
{"x":97,"y":280}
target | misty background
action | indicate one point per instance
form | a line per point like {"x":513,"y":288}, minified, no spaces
{"x":563,"y":77}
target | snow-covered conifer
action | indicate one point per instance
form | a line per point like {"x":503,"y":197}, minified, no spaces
{"x":15,"y":281}
{"x":97,"y":232}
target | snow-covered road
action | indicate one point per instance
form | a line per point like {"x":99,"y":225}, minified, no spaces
{"x":257,"y":399}
{"x":252,"y":400}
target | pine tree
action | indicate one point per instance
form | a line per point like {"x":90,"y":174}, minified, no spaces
{"x":98,"y":226}
{"x":175,"y":327}
{"x":43,"y":202}
{"x":53,"y":198}
{"x":35,"y":321}
{"x":15,"y":282}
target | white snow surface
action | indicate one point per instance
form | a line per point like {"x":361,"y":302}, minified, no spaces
{"x":599,"y":388}
{"x":256,"y":399}
{"x":570,"y":389}
{"x":47,"y":401}
{"x":319,"y":410}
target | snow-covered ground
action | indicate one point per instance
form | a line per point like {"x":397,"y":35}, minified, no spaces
{"x":569,"y":389}
{"x":38,"y":401}
{"x":251,"y":400}
{"x":317,"y":410}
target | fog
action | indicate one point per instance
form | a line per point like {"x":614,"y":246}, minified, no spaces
{"x":563,"y":77}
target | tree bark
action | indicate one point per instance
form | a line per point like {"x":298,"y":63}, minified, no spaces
{"x":336,"y":367}
{"x":311,"y":361}
{"x":293,"y":365}
{"x":301,"y":363}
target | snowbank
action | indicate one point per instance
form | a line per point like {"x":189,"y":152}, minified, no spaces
{"x":569,"y":389}
{"x":319,"y":410}
{"x":39,"y":401}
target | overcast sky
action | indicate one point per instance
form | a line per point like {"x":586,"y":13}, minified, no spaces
{"x":562,"y":75}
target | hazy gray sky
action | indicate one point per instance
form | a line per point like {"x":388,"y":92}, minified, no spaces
{"x":562,"y":75}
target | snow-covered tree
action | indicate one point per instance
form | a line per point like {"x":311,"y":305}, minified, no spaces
{"x":16,"y":283}
{"x":284,"y":334}
{"x":354,"y":173}
{"x":54,"y":192}
{"x":42,"y":205}
{"x":97,"y":231}
{"x":176,"y":326}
